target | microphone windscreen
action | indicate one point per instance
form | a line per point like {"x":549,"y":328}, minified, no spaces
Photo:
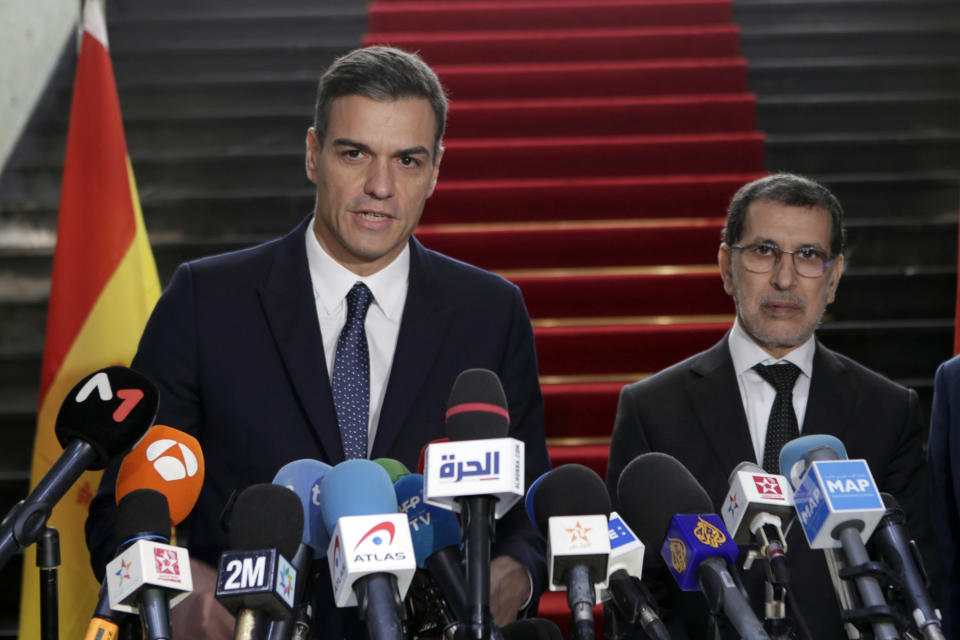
{"x":303,"y":477}
{"x":531,"y":629}
{"x":569,"y":490}
{"x":796,"y":450}
{"x":110,"y":409}
{"x":169,"y":461}
{"x":752,"y":467}
{"x":423,"y":453}
{"x":355,"y":488}
{"x":653,"y":488}
{"x":477,"y":407}
{"x":394,"y":468}
{"x":142,"y":512}
{"x":431,"y":528}
{"x":266,"y":516}
{"x":528,"y":501}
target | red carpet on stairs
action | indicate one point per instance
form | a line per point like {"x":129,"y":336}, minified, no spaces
{"x":591,"y":149}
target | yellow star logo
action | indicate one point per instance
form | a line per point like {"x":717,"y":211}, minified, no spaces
{"x":579,"y":532}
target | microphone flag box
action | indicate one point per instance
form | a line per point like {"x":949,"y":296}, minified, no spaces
{"x":463,"y":468}
{"x":577,"y":540}
{"x":752,"y":493}
{"x":833,"y":492}
{"x":257,"y":579}
{"x":626,"y":551}
{"x":363,"y":545}
{"x":147,"y":563}
{"x":691,"y":539}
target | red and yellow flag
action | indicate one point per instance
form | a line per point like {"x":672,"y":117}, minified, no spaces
{"x":104,"y":285}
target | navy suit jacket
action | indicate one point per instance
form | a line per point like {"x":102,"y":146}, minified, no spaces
{"x":234,"y":346}
{"x":943,"y":452}
{"x":694,"y":412}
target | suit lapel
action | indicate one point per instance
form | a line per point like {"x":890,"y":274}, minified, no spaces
{"x":288,"y":303}
{"x":424,"y":322}
{"x":715,"y":398}
{"x":830,"y":398}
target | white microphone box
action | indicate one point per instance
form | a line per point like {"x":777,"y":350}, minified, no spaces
{"x":363,"y":545}
{"x":626,"y":552}
{"x":753,"y":492}
{"x":491,"y":467}
{"x":832,"y":492}
{"x":577,"y":540}
{"x":148,"y":563}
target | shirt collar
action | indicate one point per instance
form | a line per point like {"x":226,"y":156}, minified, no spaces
{"x":332,"y":281}
{"x":746,"y":353}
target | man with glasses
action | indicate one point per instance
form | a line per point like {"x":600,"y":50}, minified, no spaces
{"x":770,"y":380}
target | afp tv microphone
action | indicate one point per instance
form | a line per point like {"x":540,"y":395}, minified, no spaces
{"x":669,"y":509}
{"x":101,"y":417}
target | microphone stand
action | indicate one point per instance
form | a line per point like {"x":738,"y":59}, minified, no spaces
{"x":48,"y":559}
{"x":478,"y":532}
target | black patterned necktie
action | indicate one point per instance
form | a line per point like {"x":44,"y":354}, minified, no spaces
{"x":351,"y":375}
{"x":782,"y":426}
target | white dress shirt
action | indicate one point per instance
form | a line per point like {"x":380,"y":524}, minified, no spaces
{"x":331,"y":283}
{"x":756,"y":393}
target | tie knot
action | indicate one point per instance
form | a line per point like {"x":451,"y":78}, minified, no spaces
{"x":358,"y":300}
{"x":781,"y":376}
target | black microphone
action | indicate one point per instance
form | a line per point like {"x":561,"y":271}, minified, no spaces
{"x":571,"y":505}
{"x":147,"y":576}
{"x":256,"y":581}
{"x":901,"y":554}
{"x":531,"y":629}
{"x":670,"y":510}
{"x":102,"y":417}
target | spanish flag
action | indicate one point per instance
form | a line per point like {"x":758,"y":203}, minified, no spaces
{"x":104,"y":285}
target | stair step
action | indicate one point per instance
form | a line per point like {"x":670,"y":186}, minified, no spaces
{"x":467,"y":47}
{"x":748,"y":13}
{"x":813,"y":153}
{"x":819,"y":75}
{"x":520,"y":15}
{"x":865,"y":112}
{"x":829,"y":40}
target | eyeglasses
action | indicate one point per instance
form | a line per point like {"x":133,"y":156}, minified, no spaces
{"x":762,"y":257}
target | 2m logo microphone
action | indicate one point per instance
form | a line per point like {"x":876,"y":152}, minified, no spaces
{"x":261,"y":579}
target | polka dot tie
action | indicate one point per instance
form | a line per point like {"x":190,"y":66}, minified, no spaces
{"x":351,"y":375}
{"x":782,"y":426}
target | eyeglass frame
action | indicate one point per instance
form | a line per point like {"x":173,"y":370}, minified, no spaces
{"x":778,"y":253}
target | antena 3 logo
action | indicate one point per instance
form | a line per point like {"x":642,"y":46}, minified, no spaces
{"x":375,"y":545}
{"x":170,"y":467}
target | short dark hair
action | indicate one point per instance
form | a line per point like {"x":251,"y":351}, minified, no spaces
{"x":791,"y":190}
{"x":380,"y":73}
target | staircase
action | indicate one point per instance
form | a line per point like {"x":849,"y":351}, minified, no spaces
{"x":591,"y":150}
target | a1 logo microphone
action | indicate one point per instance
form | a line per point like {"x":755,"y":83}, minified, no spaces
{"x":100,"y":418}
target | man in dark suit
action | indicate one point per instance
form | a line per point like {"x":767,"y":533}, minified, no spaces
{"x":341,"y":339}
{"x":943,"y":451}
{"x":781,"y":261}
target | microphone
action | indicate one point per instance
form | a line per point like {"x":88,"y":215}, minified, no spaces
{"x":303,"y":477}
{"x":422,"y":458}
{"x":531,"y":629}
{"x":838,"y":506}
{"x":394,"y":468}
{"x":255,"y":581}
{"x":627,"y":597}
{"x":480,"y":474}
{"x":901,"y":554}
{"x":438,"y":597}
{"x":148,"y":576}
{"x":571,"y":503}
{"x":370,"y":555}
{"x":696,"y":546}
{"x":101,"y":417}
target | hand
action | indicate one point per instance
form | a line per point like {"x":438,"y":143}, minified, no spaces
{"x":200,"y":615}
{"x":509,"y":588}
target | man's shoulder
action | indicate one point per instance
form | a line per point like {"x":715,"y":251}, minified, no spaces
{"x":461,"y":277}
{"x":864,"y":376}
{"x":676,"y":376}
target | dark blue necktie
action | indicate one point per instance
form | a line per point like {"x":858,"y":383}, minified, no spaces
{"x":782,"y":426}
{"x":351,"y":375}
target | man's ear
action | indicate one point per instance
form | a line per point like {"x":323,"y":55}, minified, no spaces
{"x":836,"y":270}
{"x":725,"y":261}
{"x":312,"y":156}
